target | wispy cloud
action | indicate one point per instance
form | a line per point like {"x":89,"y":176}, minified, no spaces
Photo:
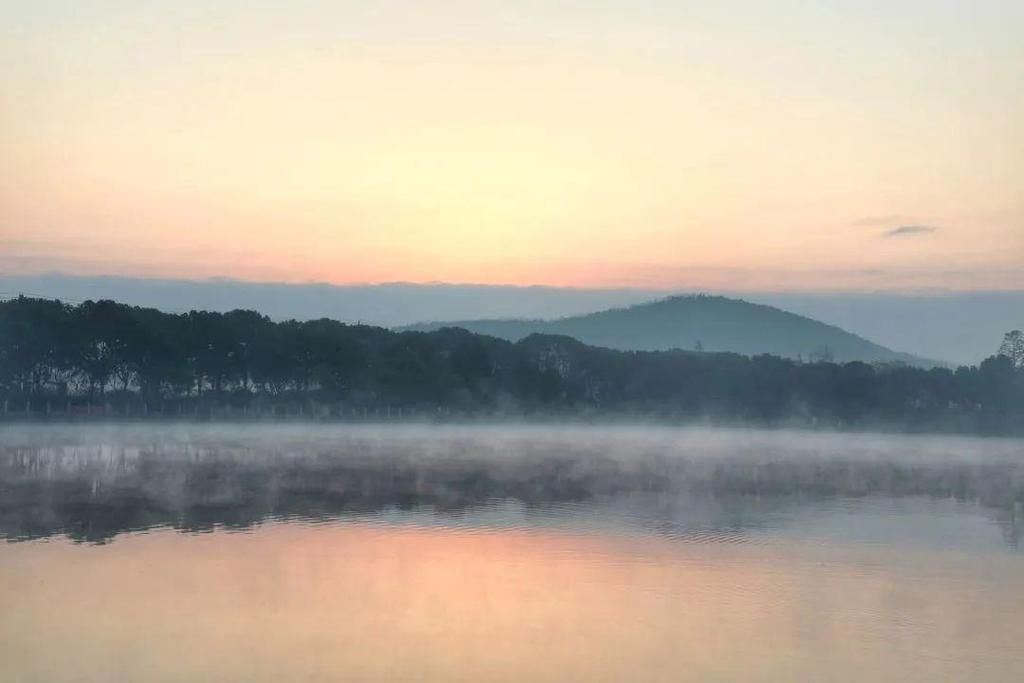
{"x":909,"y":230}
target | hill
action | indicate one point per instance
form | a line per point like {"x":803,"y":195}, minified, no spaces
{"x":104,"y":359}
{"x":701,"y":322}
{"x":959,"y":328}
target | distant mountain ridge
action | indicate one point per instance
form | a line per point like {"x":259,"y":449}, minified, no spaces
{"x":698,"y":322}
{"x":956,"y":327}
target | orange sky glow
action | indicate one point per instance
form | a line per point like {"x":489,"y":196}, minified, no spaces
{"x":616,"y":144}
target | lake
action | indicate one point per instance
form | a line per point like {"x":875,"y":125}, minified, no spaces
{"x":494,"y":553}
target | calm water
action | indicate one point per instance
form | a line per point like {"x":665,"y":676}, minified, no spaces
{"x":507,"y":554}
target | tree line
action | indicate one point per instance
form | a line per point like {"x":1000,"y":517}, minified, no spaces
{"x":102,"y":352}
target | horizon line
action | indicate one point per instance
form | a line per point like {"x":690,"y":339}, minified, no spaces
{"x":680,"y":289}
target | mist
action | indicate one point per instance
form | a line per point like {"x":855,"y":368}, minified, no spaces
{"x":95,"y":482}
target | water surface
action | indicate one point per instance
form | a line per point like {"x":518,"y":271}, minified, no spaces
{"x":270,"y":553}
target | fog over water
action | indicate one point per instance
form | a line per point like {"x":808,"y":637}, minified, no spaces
{"x":95,"y":482}
{"x":493,"y":552}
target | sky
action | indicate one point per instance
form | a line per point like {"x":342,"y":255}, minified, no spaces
{"x":732,"y":145}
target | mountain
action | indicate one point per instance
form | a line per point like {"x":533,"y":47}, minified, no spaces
{"x":386,"y":304}
{"x":954,"y":327}
{"x":708,"y":323}
{"x":957,"y":327}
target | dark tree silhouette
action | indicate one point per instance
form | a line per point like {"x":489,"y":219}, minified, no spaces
{"x":1013,"y":347}
{"x":142,"y":361}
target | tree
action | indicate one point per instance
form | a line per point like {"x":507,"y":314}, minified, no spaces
{"x":37,"y":349}
{"x":49,"y":350}
{"x":1013,"y":347}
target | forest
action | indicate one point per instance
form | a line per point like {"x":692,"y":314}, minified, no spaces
{"x":104,"y":358}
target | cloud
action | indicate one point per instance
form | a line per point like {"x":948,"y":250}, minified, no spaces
{"x":909,"y":230}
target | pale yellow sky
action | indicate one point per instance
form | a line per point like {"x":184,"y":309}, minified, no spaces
{"x":744,"y":144}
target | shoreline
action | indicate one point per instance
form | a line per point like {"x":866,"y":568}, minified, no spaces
{"x":596,"y":420}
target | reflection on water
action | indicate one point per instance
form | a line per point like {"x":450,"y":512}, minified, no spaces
{"x":486,"y":553}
